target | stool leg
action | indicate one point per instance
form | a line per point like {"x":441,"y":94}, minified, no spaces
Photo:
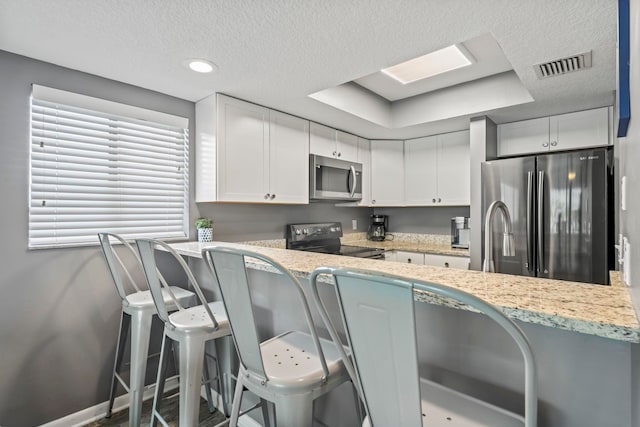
{"x":140,"y":333}
{"x":264,"y":404}
{"x":207,"y":384}
{"x":237,"y":400}
{"x":162,"y":376}
{"x":191,"y":360}
{"x":225,"y":351}
{"x":125,"y":323}
{"x":294,"y":411}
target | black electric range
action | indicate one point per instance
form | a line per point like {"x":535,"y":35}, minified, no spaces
{"x":324,"y":238}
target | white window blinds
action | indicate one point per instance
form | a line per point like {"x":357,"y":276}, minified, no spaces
{"x":99,"y":166}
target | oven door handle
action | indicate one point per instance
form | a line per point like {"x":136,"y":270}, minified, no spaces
{"x":352,"y":172}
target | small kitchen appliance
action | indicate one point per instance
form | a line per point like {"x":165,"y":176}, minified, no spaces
{"x":460,"y":232}
{"x":378,"y":227}
{"x":325,"y":238}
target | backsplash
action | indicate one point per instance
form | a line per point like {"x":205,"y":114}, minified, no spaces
{"x":427,"y":239}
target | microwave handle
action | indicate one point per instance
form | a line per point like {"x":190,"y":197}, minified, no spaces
{"x":355,"y":181}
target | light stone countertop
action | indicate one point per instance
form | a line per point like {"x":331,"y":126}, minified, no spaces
{"x":605,"y":311}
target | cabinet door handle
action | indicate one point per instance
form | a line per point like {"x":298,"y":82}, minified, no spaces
{"x":273,"y":196}
{"x":373,"y":202}
{"x":554,"y":143}
{"x":334,"y":153}
{"x":409,"y":260}
{"x":266,"y":196}
{"x":439,"y":200}
{"x":339,"y":154}
{"x":433,"y":200}
{"x":446,"y":265}
{"x":545,"y":144}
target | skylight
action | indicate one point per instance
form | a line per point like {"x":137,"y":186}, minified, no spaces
{"x":429,"y":65}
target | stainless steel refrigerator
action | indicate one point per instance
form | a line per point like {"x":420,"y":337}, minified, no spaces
{"x":561,"y":211}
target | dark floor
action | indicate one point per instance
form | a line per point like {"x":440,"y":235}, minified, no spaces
{"x":168,"y":409}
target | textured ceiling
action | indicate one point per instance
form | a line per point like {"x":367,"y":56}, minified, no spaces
{"x":277,"y":52}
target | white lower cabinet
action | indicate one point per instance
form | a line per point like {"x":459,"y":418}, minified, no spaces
{"x":446,"y":261}
{"x":404,"y":256}
{"x":435,"y":260}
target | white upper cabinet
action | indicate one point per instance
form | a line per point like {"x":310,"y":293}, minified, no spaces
{"x":288,"y":158}
{"x":570,"y":131}
{"x":243,"y":151}
{"x":454,"y":169}
{"x":421,"y":171}
{"x":437,"y":170}
{"x":387,"y":173}
{"x":364,"y":157}
{"x":527,"y":136}
{"x":329,"y":142}
{"x":260,"y":155}
{"x":582,"y":129}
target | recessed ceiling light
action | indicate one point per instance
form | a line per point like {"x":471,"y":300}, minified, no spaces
{"x":201,"y":65}
{"x":429,"y":65}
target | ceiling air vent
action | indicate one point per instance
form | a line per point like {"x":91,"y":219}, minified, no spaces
{"x":563,"y":66}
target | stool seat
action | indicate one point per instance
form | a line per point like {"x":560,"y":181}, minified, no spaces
{"x":291,"y":361}
{"x":194,"y":319}
{"x":143,"y":300}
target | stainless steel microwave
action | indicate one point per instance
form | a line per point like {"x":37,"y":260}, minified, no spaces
{"x":334,"y":179}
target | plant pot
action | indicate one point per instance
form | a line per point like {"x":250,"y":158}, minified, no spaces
{"x":205,"y":235}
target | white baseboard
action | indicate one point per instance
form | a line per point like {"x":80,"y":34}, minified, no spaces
{"x":99,"y":411}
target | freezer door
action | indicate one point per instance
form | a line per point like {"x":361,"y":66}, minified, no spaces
{"x":572,"y":188}
{"x":511,"y":181}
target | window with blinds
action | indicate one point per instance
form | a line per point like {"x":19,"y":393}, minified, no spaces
{"x":99,"y":166}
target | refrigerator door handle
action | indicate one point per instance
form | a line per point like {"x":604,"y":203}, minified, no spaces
{"x":541,"y":267}
{"x":530,"y":244}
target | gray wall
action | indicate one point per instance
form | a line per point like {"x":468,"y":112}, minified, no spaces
{"x":241,"y":222}
{"x":424,"y":220}
{"x":628,"y":156}
{"x":59,"y":312}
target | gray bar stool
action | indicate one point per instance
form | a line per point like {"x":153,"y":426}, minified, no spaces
{"x":138,"y":310}
{"x":190,"y":328}
{"x":291,"y":369}
{"x":378,"y":312}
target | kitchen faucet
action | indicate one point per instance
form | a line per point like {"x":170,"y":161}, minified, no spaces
{"x":508,"y":246}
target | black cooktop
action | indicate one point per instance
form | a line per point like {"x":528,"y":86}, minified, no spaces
{"x":325,"y":238}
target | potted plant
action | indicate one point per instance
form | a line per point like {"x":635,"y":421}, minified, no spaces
{"x":205,"y":229}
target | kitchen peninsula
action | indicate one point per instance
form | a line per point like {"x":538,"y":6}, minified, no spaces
{"x":604,"y":311}
{"x":580,"y":334}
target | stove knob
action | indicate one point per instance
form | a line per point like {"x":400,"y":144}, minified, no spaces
{"x":297,"y":231}
{"x":305,"y":231}
{"x":333,"y":229}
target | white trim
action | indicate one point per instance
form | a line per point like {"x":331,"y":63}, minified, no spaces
{"x":99,"y":411}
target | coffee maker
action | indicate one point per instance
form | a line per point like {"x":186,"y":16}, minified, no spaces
{"x":378,"y":227}
{"x":460,"y":232}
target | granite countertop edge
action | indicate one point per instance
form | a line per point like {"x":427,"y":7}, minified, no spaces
{"x":563,"y":305}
